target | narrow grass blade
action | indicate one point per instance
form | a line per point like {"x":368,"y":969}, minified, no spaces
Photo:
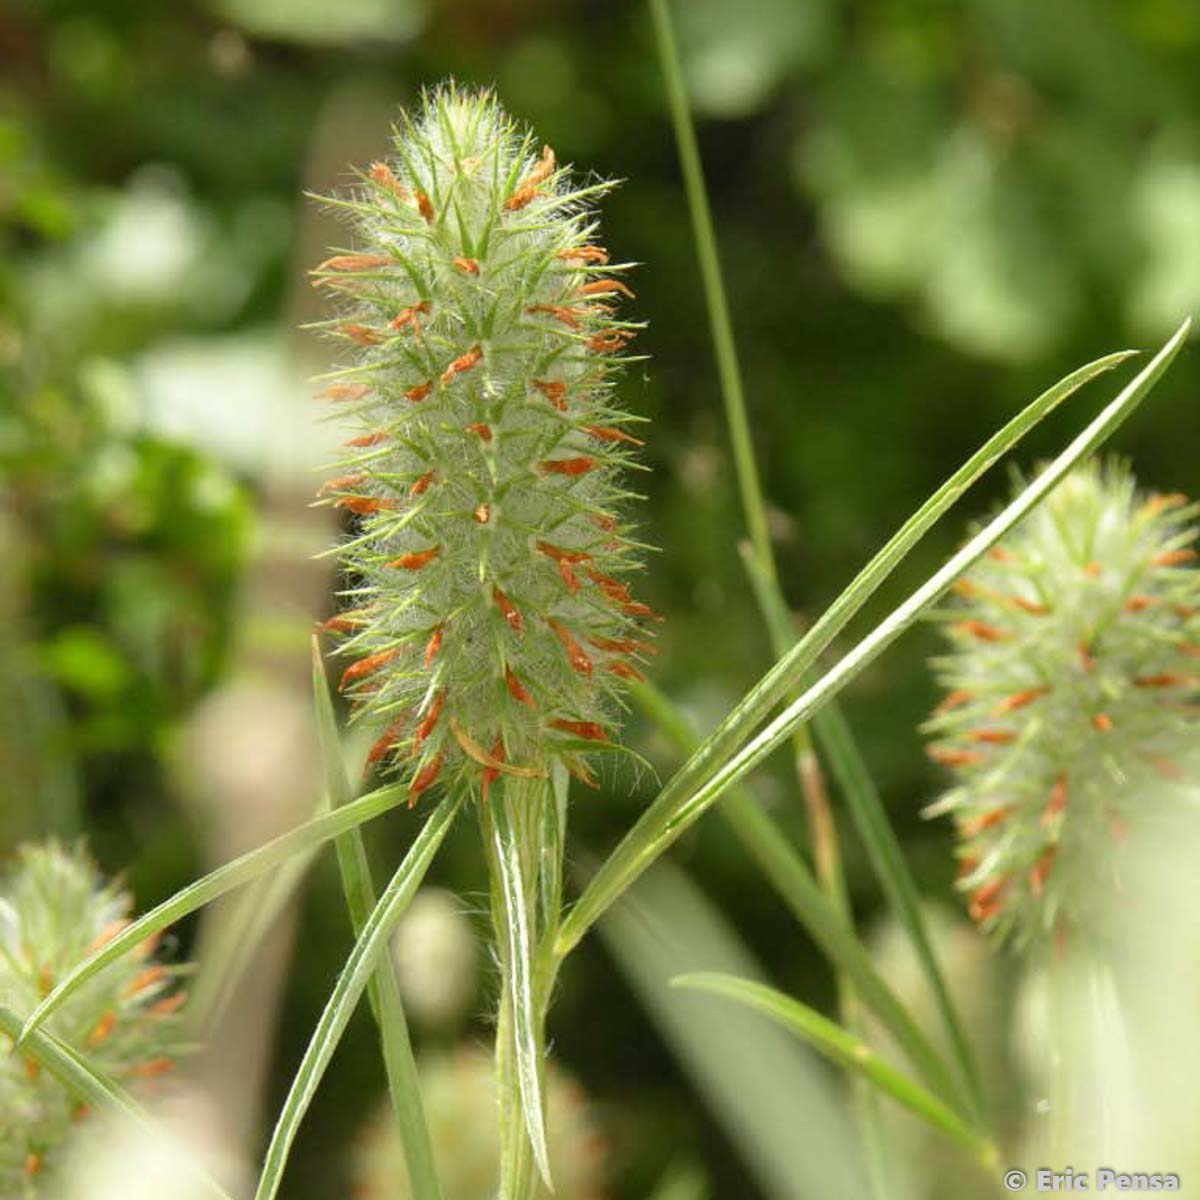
{"x":215,"y":884}
{"x":789,"y":875}
{"x":95,"y":1088}
{"x":891,"y":868}
{"x":675,"y":809}
{"x":886,"y":632}
{"x":783,"y":1113}
{"x":231,"y":947}
{"x":83,"y":1081}
{"x":348,"y":990}
{"x":518,"y":965}
{"x":848,"y":1051}
{"x":862,"y":798}
{"x":708,"y":257}
{"x":759,"y":557}
{"x":383,"y":991}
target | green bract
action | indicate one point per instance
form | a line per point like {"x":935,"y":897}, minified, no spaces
{"x":55,"y":908}
{"x":1071,"y":688}
{"x":487,"y":613}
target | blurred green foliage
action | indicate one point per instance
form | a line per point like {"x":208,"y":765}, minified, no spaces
{"x":928,"y":212}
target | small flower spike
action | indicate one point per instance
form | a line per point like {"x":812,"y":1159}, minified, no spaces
{"x":55,"y":909}
{"x":1072,"y":686}
{"x":489,"y":621}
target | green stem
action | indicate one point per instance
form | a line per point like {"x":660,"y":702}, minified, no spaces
{"x":383,"y":989}
{"x":759,"y":553}
{"x":724,"y":345}
{"x":788,"y":873}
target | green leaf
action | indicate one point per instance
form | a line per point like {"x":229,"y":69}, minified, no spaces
{"x":349,"y":988}
{"x":789,"y":874}
{"x":95,"y":1088}
{"x":891,"y":868}
{"x":843,"y":1048}
{"x":231,"y":946}
{"x":783,"y":1114}
{"x":215,"y":884}
{"x":886,"y":632}
{"x":383,"y":991}
{"x":518,"y":933}
{"x":718,"y":762}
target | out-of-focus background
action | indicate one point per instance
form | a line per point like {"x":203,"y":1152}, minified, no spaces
{"x":928,"y":213}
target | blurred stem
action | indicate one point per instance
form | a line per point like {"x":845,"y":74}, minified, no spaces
{"x":759,"y":553}
{"x":788,"y":873}
{"x":724,"y":346}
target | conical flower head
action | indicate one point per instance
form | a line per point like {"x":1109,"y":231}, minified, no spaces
{"x":1071,"y":688}
{"x":488,"y":613}
{"x":55,"y":908}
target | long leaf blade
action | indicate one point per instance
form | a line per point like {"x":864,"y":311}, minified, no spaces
{"x":383,"y":990}
{"x":349,"y":989}
{"x":843,"y":1048}
{"x":886,"y":632}
{"x":791,"y":878}
{"x":717,"y":765}
{"x":216,"y":883}
{"x":891,"y":868}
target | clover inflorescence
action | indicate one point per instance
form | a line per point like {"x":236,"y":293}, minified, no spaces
{"x":487,"y":610}
{"x":1071,"y":688}
{"x":56,"y":908}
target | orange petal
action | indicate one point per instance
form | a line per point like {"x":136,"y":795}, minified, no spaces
{"x":425,"y":778}
{"x":1019,"y":700}
{"x":1058,"y":801}
{"x":606,"y":434}
{"x":365,"y":666}
{"x":364,"y":505}
{"x":554,"y":390}
{"x":381,"y":174}
{"x":416,"y":560}
{"x":980,"y":630}
{"x":430,"y":720}
{"x":509,"y":612}
{"x":584,"y":254}
{"x":566,"y":466}
{"x":575,"y":656}
{"x":355,"y":262}
{"x":550,"y":550}
{"x":954,"y":758}
{"x":605,"y":287}
{"x":1173,"y":558}
{"x":433,"y":645}
{"x":422,"y":483}
{"x":464,"y":362}
{"x":583,"y":729}
{"x":362,"y":335}
{"x":515,"y":690}
{"x":345,"y":391}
